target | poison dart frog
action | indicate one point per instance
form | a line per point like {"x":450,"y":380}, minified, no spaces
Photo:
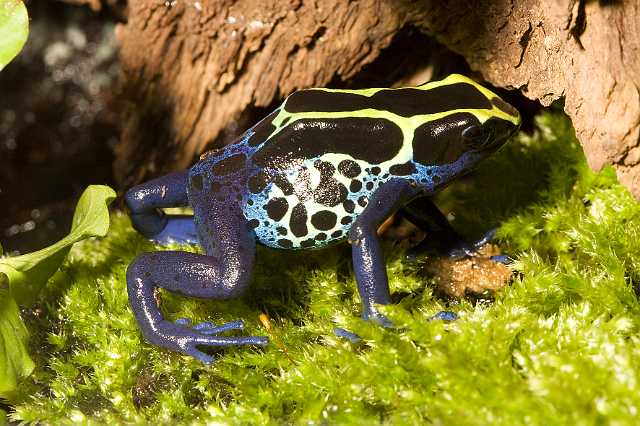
{"x":327,"y":165}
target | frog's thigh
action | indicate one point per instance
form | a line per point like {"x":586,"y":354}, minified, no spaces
{"x":145,"y":199}
{"x":222,"y":273}
{"x":368,"y":259}
{"x":190,"y":274}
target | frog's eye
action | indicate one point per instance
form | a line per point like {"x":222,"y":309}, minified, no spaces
{"x":475,"y":136}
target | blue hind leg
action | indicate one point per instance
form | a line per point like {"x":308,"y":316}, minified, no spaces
{"x":222,"y":273}
{"x":146,"y":200}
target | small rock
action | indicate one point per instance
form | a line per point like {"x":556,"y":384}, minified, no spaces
{"x":475,"y":275}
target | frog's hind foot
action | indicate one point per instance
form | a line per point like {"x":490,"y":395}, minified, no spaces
{"x":211,"y":328}
{"x":192,"y":275}
{"x":183,"y":338}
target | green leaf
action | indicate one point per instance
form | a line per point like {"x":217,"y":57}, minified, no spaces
{"x":28,"y":273}
{"x":14,"y":29}
{"x":15,"y":362}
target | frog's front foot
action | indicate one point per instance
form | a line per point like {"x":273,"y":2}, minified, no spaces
{"x":371,"y":315}
{"x":376,"y":317}
{"x":461,"y":249}
{"x":456,"y":249}
{"x":184,"y":338}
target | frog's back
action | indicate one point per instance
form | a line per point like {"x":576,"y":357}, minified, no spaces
{"x":311,"y":179}
{"x":315,"y":161}
{"x":314,"y":168}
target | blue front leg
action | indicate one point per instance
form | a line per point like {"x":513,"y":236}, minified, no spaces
{"x":368,"y":258}
{"x":441,"y":236}
{"x":146,"y":200}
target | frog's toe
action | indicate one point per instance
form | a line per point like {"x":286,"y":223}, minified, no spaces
{"x":190,"y":345}
{"x":462,"y":249}
{"x":201,"y":356}
{"x":502,"y":258}
{"x":378,"y":318}
{"x":486,"y":238}
{"x":211,"y":328}
{"x":447,"y":316}
{"x":183,"y":321}
{"x":346,"y":334}
{"x":181,"y":337}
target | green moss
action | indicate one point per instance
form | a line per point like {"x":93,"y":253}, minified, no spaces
{"x":561,"y":345}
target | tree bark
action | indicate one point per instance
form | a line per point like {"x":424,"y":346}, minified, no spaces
{"x":196,"y":72}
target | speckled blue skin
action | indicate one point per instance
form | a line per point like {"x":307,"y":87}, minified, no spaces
{"x":324,"y":167}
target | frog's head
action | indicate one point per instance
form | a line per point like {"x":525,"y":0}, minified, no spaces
{"x":475,"y":123}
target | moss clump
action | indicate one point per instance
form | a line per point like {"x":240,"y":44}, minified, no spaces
{"x":561,"y":345}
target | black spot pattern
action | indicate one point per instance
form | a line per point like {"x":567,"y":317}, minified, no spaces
{"x":254,"y":223}
{"x":405,"y":169}
{"x":346,"y":220}
{"x":355,"y":186}
{"x":349,"y":168}
{"x":321,"y":236}
{"x":336,"y":234}
{"x":298,"y":221}
{"x":405,"y":102}
{"x":349,"y":206}
{"x":325,"y":168}
{"x":229,"y":165}
{"x":277,"y":208}
{"x":363,"y":201}
{"x":258,"y":182}
{"x":283,"y":242}
{"x":324,"y":220}
{"x":283,"y":183}
{"x":196,"y":182}
{"x":330,"y":193}
{"x":281,"y":230}
{"x":309,"y":242}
